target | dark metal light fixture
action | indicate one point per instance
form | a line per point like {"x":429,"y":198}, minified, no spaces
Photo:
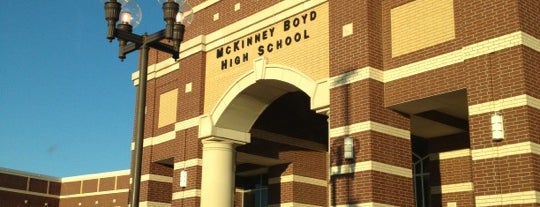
{"x":112,"y":12}
{"x":170,"y":9}
{"x":176,"y":15}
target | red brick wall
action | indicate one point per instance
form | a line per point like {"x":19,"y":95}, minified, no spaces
{"x":188,"y":202}
{"x":529,"y":13}
{"x":501,"y":74}
{"x":38,"y":185}
{"x":16,"y":189}
{"x":45,"y":191}
{"x":54,"y":188}
{"x":13,"y":181}
{"x":362,"y":48}
{"x":112,"y":191}
{"x":17,"y":199}
{"x":481,"y":20}
{"x":307,"y":163}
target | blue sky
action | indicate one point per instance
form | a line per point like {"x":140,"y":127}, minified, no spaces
{"x":66,"y":100}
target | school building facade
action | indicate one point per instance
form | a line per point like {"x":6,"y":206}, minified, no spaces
{"x":347,"y":103}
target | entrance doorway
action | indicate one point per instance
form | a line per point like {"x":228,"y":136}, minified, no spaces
{"x":289,"y":141}
{"x":439,"y":128}
{"x":268,"y":124}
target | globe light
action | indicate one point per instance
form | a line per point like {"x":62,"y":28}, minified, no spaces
{"x":126,"y":17}
{"x":179,"y":2}
{"x":185,"y":14}
{"x":119,"y":1}
{"x":179,"y":17}
{"x":131,"y":13}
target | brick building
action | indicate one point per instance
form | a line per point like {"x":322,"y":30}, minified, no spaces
{"x":267,"y":91}
{"x":258,"y":109}
{"x":24,"y":189}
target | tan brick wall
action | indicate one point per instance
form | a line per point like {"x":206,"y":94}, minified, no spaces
{"x":69,"y":188}
{"x":89,"y":186}
{"x":107,"y":183}
{"x":420,"y":24}
{"x":167,"y":108}
{"x":311,"y":32}
{"x":122,"y":182}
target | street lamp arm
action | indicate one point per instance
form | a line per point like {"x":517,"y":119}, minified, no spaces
{"x":152,"y":41}
{"x":165,"y":48}
{"x":126,"y":49}
{"x":156,"y":37}
{"x":129,"y":36}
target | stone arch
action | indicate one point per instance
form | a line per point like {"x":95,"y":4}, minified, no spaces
{"x":247,"y":98}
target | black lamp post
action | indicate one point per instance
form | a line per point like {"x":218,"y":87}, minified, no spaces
{"x":175,"y":14}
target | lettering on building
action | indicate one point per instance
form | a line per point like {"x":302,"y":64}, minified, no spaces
{"x":237,"y":52}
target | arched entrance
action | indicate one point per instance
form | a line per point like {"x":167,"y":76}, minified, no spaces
{"x":264,"y":142}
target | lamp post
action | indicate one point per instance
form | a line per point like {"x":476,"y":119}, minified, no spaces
{"x":176,"y":14}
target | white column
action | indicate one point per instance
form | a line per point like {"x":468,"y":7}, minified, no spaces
{"x":218,"y":172}
{"x":219,"y":162}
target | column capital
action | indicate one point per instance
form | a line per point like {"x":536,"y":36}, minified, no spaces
{"x":209,"y":132}
{"x":214,"y":139}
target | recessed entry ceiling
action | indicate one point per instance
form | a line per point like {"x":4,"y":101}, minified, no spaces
{"x":437,"y":116}
{"x":249,"y":164}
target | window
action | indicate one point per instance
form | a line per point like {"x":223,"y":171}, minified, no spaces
{"x":422,"y":191}
{"x":256,"y":191}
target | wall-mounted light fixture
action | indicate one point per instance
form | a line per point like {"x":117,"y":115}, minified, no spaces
{"x":497,"y":127}
{"x":348,"y":148}
{"x":183,"y":178}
